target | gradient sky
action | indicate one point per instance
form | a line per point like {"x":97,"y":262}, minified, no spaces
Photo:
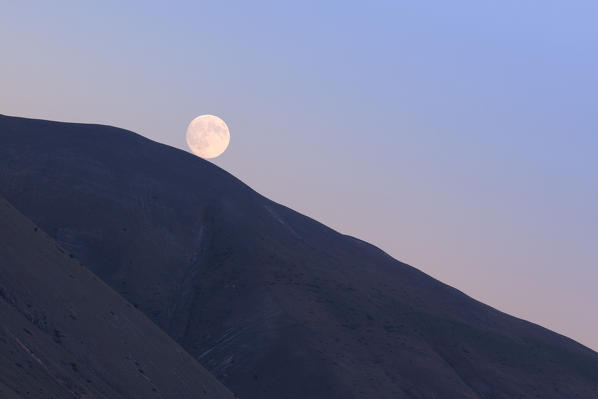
{"x":461,"y":137}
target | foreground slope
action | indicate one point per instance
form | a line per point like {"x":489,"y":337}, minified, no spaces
{"x":272,"y":302}
{"x":65,"y":334}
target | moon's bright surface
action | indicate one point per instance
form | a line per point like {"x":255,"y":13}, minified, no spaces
{"x":207,"y":136}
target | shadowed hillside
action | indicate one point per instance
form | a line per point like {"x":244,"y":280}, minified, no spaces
{"x":65,"y":334}
{"x":275,"y":304}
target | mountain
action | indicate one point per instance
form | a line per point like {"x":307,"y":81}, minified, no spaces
{"x":66,"y":334}
{"x":275,"y":304}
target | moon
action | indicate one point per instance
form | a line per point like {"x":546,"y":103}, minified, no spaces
{"x":207,"y":136}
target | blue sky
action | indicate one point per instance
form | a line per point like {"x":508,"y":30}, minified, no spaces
{"x":461,"y":137}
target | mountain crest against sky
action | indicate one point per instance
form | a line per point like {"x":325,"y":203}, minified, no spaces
{"x":273,"y":303}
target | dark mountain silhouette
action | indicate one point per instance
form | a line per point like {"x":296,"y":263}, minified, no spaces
{"x":275,"y":304}
{"x":66,"y":334}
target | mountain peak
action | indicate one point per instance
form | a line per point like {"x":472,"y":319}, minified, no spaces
{"x":273,"y":303}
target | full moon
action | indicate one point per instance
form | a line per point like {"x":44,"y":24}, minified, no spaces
{"x":207,"y":136}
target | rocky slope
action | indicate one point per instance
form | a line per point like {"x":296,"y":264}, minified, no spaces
{"x":65,"y":334}
{"x":272,"y":302}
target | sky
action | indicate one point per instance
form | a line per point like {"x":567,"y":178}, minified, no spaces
{"x":460,"y":137}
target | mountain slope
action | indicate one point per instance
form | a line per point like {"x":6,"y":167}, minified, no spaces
{"x":65,"y":334}
{"x":272,"y":302}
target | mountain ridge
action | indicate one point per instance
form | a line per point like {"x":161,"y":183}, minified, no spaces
{"x":272,"y":302}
